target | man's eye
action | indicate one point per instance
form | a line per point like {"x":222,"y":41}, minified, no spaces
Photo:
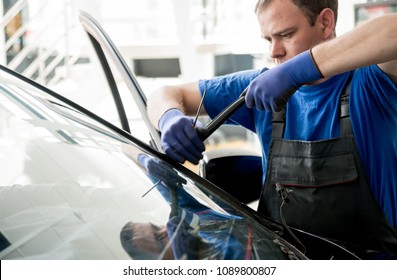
{"x":287,"y":35}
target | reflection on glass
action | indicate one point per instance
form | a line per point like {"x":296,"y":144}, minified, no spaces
{"x":193,"y":230}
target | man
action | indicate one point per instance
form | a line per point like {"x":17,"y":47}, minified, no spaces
{"x":323,"y":186}
{"x":144,"y":241}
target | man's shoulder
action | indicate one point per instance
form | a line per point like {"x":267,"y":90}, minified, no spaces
{"x":370,"y":73}
{"x":372,"y":81}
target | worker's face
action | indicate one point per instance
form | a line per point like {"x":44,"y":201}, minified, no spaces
{"x":288,"y":32}
{"x":151,"y":239}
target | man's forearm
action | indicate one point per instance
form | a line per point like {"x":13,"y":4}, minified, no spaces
{"x":161,"y":101}
{"x":185,"y":97}
{"x":373,"y":42}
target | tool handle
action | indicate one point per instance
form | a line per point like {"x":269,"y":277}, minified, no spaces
{"x":205,"y":132}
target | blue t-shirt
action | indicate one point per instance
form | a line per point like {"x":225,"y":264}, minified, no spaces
{"x":313,"y":114}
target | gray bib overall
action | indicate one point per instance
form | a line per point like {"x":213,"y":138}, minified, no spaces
{"x":323,"y":189}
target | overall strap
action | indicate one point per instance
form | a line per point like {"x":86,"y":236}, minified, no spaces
{"x":278,"y":124}
{"x":278,"y":118}
{"x":345,"y":123}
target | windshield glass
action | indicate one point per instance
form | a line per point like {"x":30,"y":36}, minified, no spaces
{"x":72,"y":190}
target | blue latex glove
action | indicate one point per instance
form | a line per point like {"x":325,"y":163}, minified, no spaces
{"x":179,"y":138}
{"x":271,"y":90}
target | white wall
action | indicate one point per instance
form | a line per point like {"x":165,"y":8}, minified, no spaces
{"x":153,"y":22}
{"x":346,"y":15}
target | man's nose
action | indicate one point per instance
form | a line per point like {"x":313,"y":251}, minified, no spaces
{"x":276,"y":50}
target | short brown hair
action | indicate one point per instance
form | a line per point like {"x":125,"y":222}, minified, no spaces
{"x":310,"y":8}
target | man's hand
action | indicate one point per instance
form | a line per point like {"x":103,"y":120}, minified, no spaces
{"x":271,"y":90}
{"x":179,"y":138}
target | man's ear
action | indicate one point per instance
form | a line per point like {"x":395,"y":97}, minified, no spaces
{"x":326,"y":19}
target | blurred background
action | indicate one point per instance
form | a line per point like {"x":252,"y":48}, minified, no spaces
{"x":162,"y":41}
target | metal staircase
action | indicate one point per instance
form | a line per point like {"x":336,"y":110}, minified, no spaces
{"x":33,"y":48}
